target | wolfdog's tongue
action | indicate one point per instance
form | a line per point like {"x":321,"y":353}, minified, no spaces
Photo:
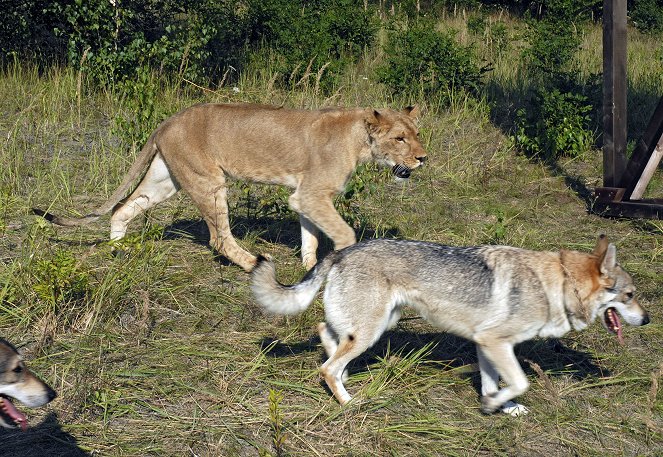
{"x":18,"y":417}
{"x":615,"y":324}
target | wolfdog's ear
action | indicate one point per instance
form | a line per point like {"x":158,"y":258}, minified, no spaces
{"x":601,"y":245}
{"x":609,"y":259}
{"x":413,"y":111}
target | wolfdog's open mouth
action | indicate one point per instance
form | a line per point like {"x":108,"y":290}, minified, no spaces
{"x":401,"y":171}
{"x":614,"y":324}
{"x":10,"y":415}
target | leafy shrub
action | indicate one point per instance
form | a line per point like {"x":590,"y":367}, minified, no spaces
{"x":59,"y":278}
{"x":110,"y":39}
{"x":557,"y":126}
{"x":552,"y":45}
{"x":311,"y":39}
{"x":424,"y":60}
{"x":647,"y":15}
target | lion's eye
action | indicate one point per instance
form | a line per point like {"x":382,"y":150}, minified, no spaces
{"x":400,"y":139}
{"x":18,"y":369}
{"x":629,"y":295}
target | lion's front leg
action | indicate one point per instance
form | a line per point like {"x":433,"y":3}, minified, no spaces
{"x":310,"y":241}
{"x":319,"y":209}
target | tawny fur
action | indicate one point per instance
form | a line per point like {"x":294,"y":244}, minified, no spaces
{"x":313,"y":152}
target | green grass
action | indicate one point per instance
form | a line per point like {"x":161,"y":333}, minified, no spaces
{"x":163,"y":351}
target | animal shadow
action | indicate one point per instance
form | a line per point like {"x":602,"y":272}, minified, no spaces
{"x":44,"y":440}
{"x":454,"y":352}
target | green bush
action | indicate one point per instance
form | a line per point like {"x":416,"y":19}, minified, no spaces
{"x":60,"y":278}
{"x":552,"y":45}
{"x":647,"y":15}
{"x":109,"y":40}
{"x":311,"y":39}
{"x":422,"y":60}
{"x":558,"y":125}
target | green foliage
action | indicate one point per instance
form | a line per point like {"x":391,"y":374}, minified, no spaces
{"x":647,"y":15}
{"x":558,"y":125}
{"x":552,"y":45}
{"x":137,"y":241}
{"x":60,"y":278}
{"x":110,"y":39}
{"x":140,"y":114}
{"x":311,"y":39}
{"x":276,"y":421}
{"x":364,"y":183}
{"x":422,"y":60}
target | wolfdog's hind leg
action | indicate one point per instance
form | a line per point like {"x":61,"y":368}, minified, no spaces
{"x":332,"y":370}
{"x":156,"y":186}
{"x":330,"y":344}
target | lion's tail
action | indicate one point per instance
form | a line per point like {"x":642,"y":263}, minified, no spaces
{"x":143,"y":159}
{"x":277,"y":298}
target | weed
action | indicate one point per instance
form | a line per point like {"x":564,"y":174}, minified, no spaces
{"x":60,"y":278}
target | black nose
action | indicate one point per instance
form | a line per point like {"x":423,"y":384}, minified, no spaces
{"x":51,"y":394}
{"x":422,"y":159}
{"x":645,"y":319}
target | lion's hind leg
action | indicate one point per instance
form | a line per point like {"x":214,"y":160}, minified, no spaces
{"x":156,"y":186}
{"x":214,"y":207}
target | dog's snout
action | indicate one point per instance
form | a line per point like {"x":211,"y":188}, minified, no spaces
{"x":645,"y":319}
{"x":51,"y":394}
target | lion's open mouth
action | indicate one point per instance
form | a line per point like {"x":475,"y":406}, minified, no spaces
{"x":401,"y":171}
{"x":11,"y":416}
{"x":613,"y":323}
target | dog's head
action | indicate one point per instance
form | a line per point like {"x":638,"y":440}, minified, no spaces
{"x":601,"y":288}
{"x":395,"y":140}
{"x":17,"y":382}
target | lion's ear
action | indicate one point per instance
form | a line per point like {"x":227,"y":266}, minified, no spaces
{"x":413,"y":111}
{"x":373,"y":120}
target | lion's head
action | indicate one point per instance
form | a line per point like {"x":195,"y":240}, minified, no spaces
{"x":394,"y":140}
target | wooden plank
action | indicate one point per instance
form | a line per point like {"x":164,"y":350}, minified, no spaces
{"x":648,"y":172}
{"x":643,"y":151}
{"x":645,"y":209}
{"x":614,"y":91}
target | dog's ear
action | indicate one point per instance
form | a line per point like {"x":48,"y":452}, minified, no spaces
{"x":601,"y":246}
{"x":413,"y":111}
{"x":608,"y":259}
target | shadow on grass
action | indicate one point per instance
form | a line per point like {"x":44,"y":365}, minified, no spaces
{"x":550,"y":354}
{"x":44,"y":440}
{"x":505,"y":103}
{"x":283,"y":231}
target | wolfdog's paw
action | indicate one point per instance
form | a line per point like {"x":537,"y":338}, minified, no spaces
{"x":488,"y":404}
{"x":514,"y":409}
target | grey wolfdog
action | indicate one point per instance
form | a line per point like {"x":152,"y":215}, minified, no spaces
{"x":496,"y":296}
{"x":16,"y":381}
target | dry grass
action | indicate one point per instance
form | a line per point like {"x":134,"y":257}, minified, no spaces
{"x":163,"y":352}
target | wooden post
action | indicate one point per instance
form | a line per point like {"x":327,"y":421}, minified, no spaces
{"x":614,"y":91}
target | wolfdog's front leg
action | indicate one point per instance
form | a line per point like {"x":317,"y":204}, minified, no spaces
{"x":489,"y":385}
{"x":502,"y":361}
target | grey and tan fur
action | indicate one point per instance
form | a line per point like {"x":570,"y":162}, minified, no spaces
{"x":17,"y":382}
{"x":313,"y":152}
{"x":496,"y":296}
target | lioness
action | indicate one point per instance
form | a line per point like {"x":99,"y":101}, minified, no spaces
{"x":314,"y":152}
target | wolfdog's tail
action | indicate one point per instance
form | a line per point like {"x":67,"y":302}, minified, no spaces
{"x":277,"y":298}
